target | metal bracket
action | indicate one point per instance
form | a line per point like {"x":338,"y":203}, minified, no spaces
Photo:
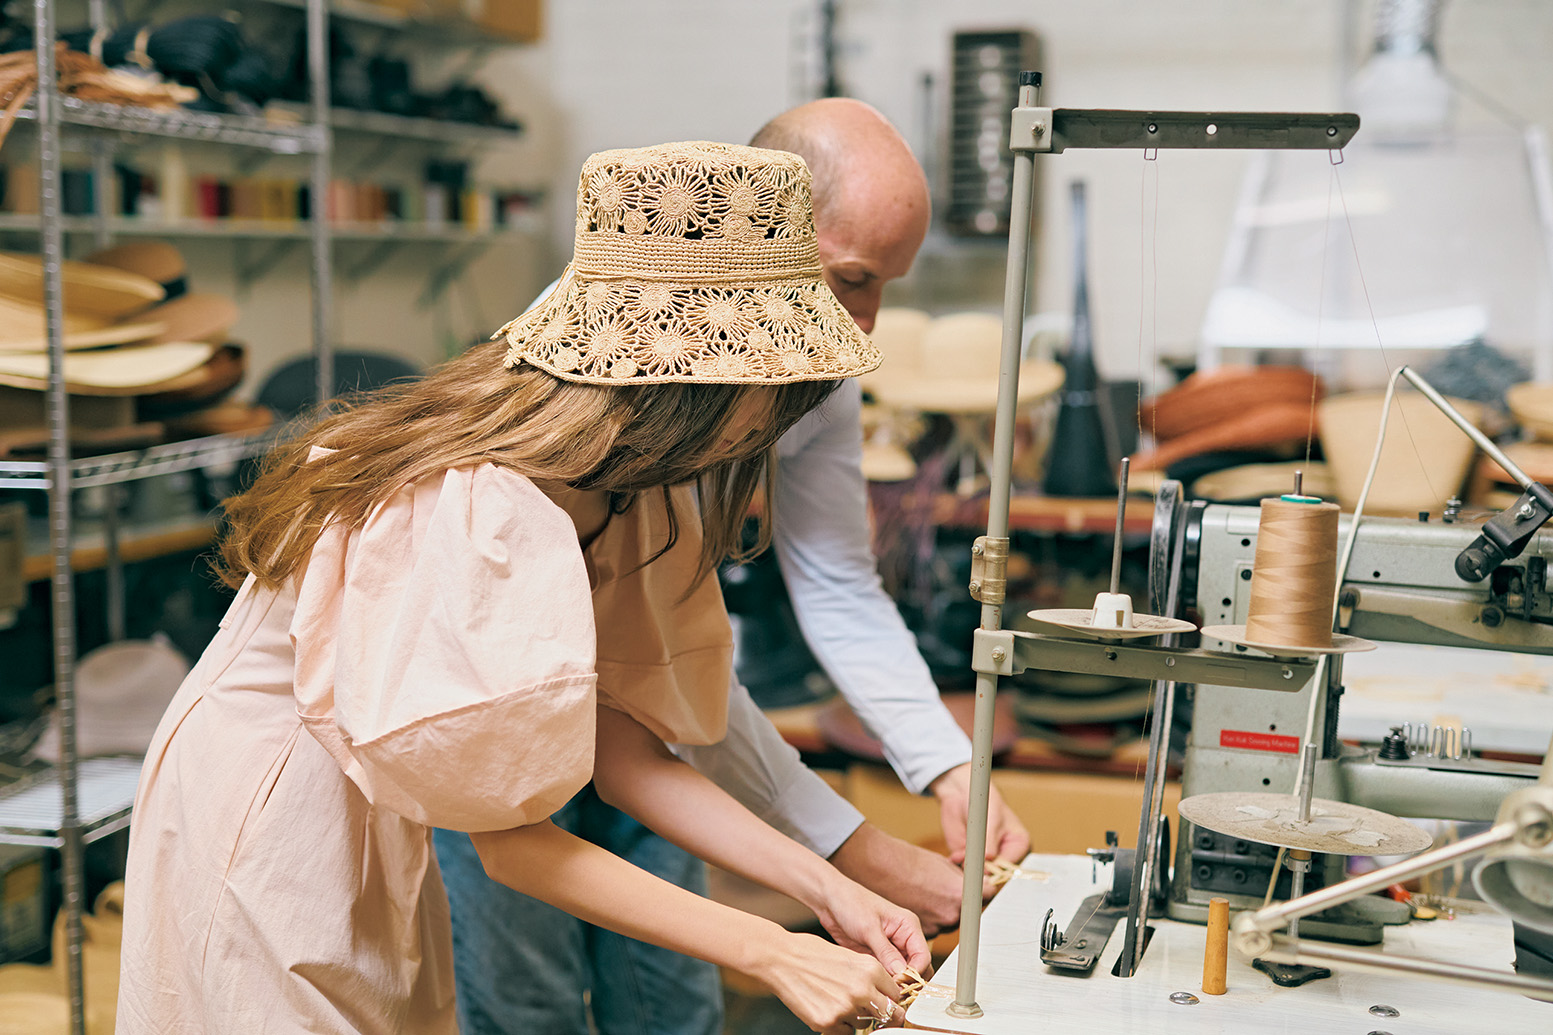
{"x":1030,"y":130}
{"x":992,"y":651}
{"x":448,"y":272}
{"x":370,"y":262}
{"x":252,"y":269}
{"x":1050,"y":653}
{"x":989,"y":569}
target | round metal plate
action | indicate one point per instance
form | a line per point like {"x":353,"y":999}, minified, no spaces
{"x":1236,"y":634}
{"x":1078,"y":622}
{"x":1334,"y":827}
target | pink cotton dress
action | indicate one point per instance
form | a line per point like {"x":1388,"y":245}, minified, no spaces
{"x":434,"y":667}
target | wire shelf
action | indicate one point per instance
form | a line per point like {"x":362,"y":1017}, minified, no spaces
{"x":168,"y":458}
{"x":243,"y":130}
{"x":32,"y":809}
{"x":291,"y":230}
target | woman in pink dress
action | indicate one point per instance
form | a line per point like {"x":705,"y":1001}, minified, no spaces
{"x":463,"y":598}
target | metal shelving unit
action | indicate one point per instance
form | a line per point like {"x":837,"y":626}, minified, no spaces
{"x":74,"y":803}
{"x":77,"y":802}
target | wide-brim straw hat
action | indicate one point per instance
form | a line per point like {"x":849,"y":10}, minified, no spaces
{"x":1532,"y":404}
{"x":897,"y":333}
{"x":158,"y":260}
{"x":955,"y":370}
{"x":101,"y":305}
{"x":125,"y":370}
{"x":1423,"y":462}
{"x":194,"y":317}
{"x":694,"y":262}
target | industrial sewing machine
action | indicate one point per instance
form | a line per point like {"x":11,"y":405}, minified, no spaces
{"x":1402,"y":587}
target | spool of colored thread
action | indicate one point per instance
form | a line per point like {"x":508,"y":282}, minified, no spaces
{"x":1215,"y":961}
{"x":1294,"y":574}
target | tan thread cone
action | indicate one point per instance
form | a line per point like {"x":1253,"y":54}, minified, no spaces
{"x":1294,"y":575}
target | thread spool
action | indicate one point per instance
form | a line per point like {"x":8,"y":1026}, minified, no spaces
{"x":1295,"y":573}
{"x":1215,"y":961}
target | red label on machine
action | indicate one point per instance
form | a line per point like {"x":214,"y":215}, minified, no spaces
{"x":1248,"y":741}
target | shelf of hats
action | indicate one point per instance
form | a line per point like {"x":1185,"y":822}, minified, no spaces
{"x":208,"y":139}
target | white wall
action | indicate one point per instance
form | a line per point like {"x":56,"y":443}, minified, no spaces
{"x":631,"y":72}
{"x":615,"y":73}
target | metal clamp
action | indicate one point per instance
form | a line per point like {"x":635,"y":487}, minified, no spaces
{"x":989,"y":569}
{"x":1030,"y":129}
{"x":992,"y":652}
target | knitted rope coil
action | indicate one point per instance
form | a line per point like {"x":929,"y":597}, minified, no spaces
{"x":693,"y":262}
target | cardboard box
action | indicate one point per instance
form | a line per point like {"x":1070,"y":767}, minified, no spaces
{"x":518,"y":20}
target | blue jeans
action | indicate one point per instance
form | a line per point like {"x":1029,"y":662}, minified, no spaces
{"x":525,"y":968}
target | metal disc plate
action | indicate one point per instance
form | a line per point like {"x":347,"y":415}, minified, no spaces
{"x":1334,"y":827}
{"x":1237,"y":634}
{"x":1079,"y":622}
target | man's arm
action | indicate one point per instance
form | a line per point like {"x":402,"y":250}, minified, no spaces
{"x":853,"y":627}
{"x":764,"y":774}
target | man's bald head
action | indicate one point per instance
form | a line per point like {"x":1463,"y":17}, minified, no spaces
{"x":871,"y":204}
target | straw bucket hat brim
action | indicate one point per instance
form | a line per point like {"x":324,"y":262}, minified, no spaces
{"x":693,"y":262}
{"x":126,"y":370}
{"x":100,"y":291}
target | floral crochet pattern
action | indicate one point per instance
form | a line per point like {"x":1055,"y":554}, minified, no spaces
{"x":693,"y":262}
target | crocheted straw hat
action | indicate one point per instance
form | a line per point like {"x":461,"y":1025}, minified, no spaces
{"x":694,"y":262}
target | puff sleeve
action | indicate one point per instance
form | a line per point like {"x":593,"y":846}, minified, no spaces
{"x":444,"y":652}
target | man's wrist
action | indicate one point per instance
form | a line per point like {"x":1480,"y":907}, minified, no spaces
{"x":953,"y":782}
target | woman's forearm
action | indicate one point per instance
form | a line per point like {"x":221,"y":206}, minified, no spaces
{"x":635,"y":773}
{"x":584,"y":880}
{"x":825,"y":985}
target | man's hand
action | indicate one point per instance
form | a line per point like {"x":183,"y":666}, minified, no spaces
{"x":1006,"y":836}
{"x":922,"y":881}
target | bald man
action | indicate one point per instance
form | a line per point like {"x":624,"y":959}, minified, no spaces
{"x":524,"y":968}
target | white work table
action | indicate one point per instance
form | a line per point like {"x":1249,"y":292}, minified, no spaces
{"x":1019,"y":995}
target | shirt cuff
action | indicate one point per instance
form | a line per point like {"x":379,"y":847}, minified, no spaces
{"x":924,"y":745}
{"x":826,"y":818}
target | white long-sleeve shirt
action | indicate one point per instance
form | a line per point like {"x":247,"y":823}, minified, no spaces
{"x":821,"y":536}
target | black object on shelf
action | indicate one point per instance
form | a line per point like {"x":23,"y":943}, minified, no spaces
{"x":1078,"y":462}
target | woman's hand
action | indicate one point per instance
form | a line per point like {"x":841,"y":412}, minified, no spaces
{"x":829,"y":988}
{"x":859,"y":919}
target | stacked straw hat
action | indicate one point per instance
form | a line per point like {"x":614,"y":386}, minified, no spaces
{"x":694,"y":262}
{"x":950,"y":364}
{"x":124,"y":337}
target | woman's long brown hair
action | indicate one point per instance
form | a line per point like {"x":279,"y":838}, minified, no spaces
{"x":472,"y":410}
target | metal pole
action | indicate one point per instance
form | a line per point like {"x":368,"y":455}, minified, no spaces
{"x":1468,"y":428}
{"x":1121,"y":520}
{"x":1287,"y":949}
{"x":1015,"y":280}
{"x":321,"y":269}
{"x":1249,"y":925}
{"x":62,"y":590}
